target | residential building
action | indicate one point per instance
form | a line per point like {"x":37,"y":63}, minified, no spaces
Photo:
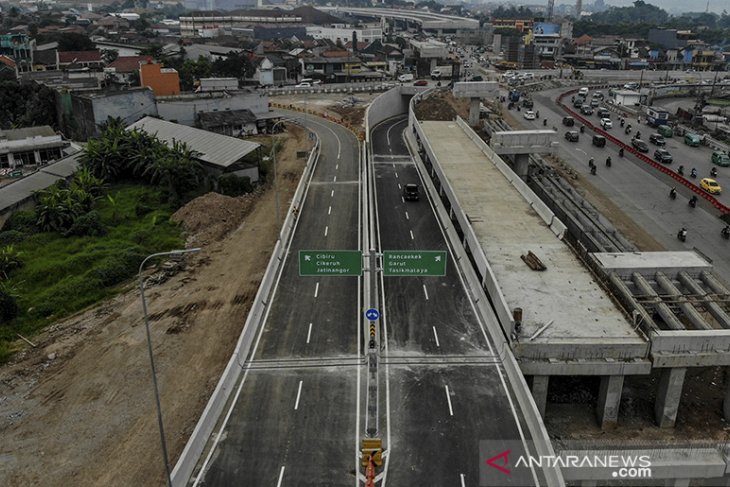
{"x":123,"y":68}
{"x":162,"y":81}
{"x":81,"y":114}
{"x":19,"y":47}
{"x":30,"y":146}
{"x":8,"y":67}
{"x":79,"y":60}
{"x":236,"y":123}
{"x":670,"y":38}
{"x":333,"y":69}
{"x":217,"y":153}
{"x":184,"y":108}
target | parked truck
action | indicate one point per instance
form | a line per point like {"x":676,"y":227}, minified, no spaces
{"x":441,"y":72}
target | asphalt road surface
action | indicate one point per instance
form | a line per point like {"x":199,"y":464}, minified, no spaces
{"x":451,"y":394}
{"x":295,"y":420}
{"x":641,"y":191}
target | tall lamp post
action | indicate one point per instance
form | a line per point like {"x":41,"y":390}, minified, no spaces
{"x":152,"y":357}
{"x":273,"y":152}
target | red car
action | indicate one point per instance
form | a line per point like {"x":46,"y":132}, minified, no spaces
{"x":421,"y":82}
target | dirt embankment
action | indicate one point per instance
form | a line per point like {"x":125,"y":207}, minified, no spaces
{"x":79,"y":410}
{"x":442,"y":106}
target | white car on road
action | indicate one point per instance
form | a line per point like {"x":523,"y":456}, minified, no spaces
{"x":529,"y":115}
{"x":606,"y":123}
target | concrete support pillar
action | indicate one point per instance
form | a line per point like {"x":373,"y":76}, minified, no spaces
{"x":539,"y":392}
{"x":521,"y":164}
{"x":473,"y":111}
{"x":11,"y":160}
{"x":609,"y":398}
{"x":726,"y":401}
{"x":668,"y":395}
{"x":37,"y":156}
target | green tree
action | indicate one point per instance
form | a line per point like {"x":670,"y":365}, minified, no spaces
{"x":9,"y":260}
{"x":235,"y":65}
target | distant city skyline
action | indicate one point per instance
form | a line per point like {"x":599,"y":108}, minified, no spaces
{"x":671,"y":6}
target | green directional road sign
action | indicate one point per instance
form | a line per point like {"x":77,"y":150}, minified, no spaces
{"x":414,"y":263}
{"x":330,"y":263}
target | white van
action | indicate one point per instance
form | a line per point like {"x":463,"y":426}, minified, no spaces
{"x":583,"y":92}
{"x":405,"y":78}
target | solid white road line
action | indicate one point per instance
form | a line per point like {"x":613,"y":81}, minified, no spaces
{"x":435,"y":335}
{"x":316,"y":290}
{"x":281,"y":476}
{"x":309,"y":333}
{"x":425,"y":291}
{"x":325,"y":230}
{"x":407,"y":217}
{"x":448,"y":399}
{"x":412,"y":237}
{"x":299,"y":394}
{"x":329,"y":211}
{"x":463,"y":480}
{"x":332,"y":194}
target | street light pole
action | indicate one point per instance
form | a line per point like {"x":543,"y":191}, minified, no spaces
{"x":273,"y":152}
{"x":152,"y":357}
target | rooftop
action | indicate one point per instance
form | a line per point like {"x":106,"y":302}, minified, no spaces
{"x":26,"y":133}
{"x":215,"y":149}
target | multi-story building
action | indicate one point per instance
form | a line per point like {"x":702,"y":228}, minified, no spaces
{"x":342,"y":33}
{"x":30,"y":146}
{"x":20,"y":48}
{"x":209,"y":25}
{"x":162,"y":81}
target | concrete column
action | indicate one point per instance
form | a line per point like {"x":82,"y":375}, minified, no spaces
{"x":37,"y":156}
{"x":521,"y":163}
{"x":11,"y":160}
{"x":539,"y":392}
{"x":609,"y":398}
{"x":668,"y":395}
{"x":473,"y":111}
{"x":726,"y":401}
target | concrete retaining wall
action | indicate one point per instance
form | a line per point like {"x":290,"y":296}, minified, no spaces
{"x":196,"y":445}
{"x":385,"y":106}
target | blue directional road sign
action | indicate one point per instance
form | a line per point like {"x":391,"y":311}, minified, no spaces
{"x":372,"y":314}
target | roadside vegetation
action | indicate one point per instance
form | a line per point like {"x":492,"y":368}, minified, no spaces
{"x":86,"y":237}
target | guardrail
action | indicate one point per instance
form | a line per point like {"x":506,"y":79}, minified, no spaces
{"x":693,"y":187}
{"x":519,"y":387}
{"x":229,"y":379}
{"x":358,"y":87}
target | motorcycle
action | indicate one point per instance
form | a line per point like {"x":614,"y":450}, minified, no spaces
{"x":622,"y":122}
{"x":593,"y":169}
{"x":680,"y":170}
{"x":608,"y":161}
{"x":673,"y":193}
{"x":725,"y":232}
{"x":621,"y":152}
{"x":693,"y":173}
{"x":638,"y":135}
{"x":693,"y":201}
{"x":713,"y":172}
{"x":544,"y":122}
{"x":627,"y":130}
{"x":682,"y":234}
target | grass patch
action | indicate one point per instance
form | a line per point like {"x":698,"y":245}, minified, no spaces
{"x":62,"y":275}
{"x":718,"y":102}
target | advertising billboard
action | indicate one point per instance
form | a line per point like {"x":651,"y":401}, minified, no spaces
{"x":545,"y":29}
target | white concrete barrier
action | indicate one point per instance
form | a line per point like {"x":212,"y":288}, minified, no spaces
{"x":538,"y":432}
{"x":197,"y":442}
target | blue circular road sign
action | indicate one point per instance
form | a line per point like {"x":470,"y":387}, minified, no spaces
{"x":372,"y":314}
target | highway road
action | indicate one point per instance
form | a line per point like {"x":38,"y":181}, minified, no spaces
{"x":641,"y":191}
{"x":451,"y":394}
{"x":294,"y":420}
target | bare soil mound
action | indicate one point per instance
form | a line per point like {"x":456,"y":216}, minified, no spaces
{"x":442,"y":106}
{"x":211,"y":217}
